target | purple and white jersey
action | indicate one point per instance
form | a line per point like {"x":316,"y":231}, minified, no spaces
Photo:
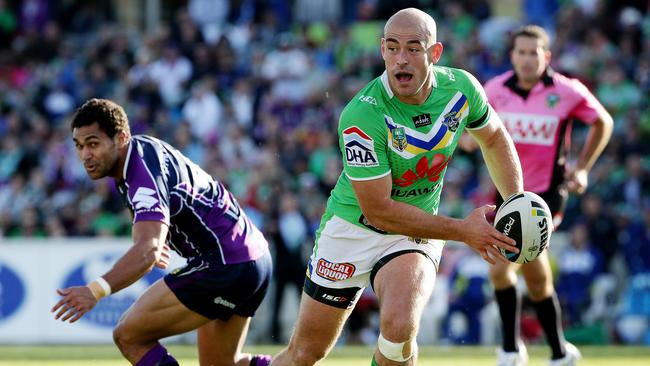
{"x":161,"y":184}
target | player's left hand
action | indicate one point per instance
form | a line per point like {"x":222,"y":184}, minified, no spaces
{"x":576,"y":180}
{"x":76,"y":302}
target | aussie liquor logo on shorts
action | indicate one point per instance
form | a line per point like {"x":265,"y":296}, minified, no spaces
{"x":12,"y":292}
{"x":359,"y":148}
{"x":109,"y":310}
{"x":334,"y":271}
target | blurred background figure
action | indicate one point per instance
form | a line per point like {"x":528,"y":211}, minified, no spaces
{"x":289,"y":235}
{"x":578,"y":267}
{"x":469,"y":292}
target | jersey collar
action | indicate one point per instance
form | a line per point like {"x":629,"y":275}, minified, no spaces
{"x":127,"y":160}
{"x":389,"y":91}
{"x":546,"y":79}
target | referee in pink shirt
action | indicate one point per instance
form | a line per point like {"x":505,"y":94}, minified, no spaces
{"x":538,"y":106}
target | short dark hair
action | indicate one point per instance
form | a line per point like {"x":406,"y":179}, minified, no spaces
{"x":532,"y":31}
{"x":109,"y":115}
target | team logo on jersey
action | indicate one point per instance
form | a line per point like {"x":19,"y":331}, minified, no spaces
{"x":143,"y":198}
{"x":422,"y":120}
{"x":451,"y":120}
{"x":399,"y":139}
{"x":552,"y":100}
{"x":359,"y":148}
{"x":334,"y":271}
{"x":424,"y":170}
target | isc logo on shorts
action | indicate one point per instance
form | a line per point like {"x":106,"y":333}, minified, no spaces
{"x":334,"y":271}
{"x":334,"y":298}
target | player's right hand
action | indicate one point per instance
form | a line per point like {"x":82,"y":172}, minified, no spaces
{"x":76,"y":301}
{"x":484,"y":238}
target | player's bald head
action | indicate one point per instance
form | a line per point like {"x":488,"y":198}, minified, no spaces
{"x":412,"y":19}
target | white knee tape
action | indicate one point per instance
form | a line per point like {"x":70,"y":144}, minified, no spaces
{"x":393,"y":351}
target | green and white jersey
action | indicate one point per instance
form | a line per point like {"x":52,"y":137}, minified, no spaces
{"x":380,"y":135}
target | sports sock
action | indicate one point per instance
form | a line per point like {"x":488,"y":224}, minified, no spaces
{"x":550,"y":316}
{"x":510,"y":309}
{"x":261,"y":360}
{"x":157,"y":356}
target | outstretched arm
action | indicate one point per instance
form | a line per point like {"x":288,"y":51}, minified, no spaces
{"x":149,"y":249}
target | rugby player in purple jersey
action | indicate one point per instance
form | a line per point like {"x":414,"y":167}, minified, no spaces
{"x":177,"y":205}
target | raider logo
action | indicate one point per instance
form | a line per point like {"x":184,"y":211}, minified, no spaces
{"x":552,"y":100}
{"x":399,"y":139}
{"x":451,"y":120}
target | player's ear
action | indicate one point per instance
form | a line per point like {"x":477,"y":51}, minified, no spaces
{"x":435,"y":52}
{"x":123,"y":138}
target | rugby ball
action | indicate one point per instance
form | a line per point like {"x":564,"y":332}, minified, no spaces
{"x":526,"y":218}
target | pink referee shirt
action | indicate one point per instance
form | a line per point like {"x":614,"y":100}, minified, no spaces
{"x":540,"y":121}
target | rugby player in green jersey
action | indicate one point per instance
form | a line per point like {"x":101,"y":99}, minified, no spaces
{"x":380,"y":228}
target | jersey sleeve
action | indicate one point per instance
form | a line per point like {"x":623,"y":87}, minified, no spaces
{"x":362,"y":140}
{"x":479,"y":108}
{"x":146,"y":189}
{"x":588,"y":107}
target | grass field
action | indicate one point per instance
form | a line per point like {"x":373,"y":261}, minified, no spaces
{"x":342,"y":356}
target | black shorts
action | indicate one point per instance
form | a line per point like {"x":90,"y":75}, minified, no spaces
{"x":556,"y":199}
{"x":219,"y":291}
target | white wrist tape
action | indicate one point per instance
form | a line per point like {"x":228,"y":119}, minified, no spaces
{"x":105,"y":286}
{"x":100,"y":288}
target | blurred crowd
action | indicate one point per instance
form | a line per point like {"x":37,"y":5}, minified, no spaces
{"x":251,"y":90}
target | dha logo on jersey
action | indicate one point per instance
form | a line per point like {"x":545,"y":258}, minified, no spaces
{"x":423,"y":170}
{"x":359,"y":148}
{"x":334,"y":271}
{"x":399,"y":139}
{"x":12,"y":292}
{"x":451,"y":120}
{"x":108,"y":311}
{"x":534,"y":129}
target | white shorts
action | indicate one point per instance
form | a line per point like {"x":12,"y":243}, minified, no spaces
{"x":345,"y":254}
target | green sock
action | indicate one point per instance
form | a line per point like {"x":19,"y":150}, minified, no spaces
{"x":374,"y":363}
